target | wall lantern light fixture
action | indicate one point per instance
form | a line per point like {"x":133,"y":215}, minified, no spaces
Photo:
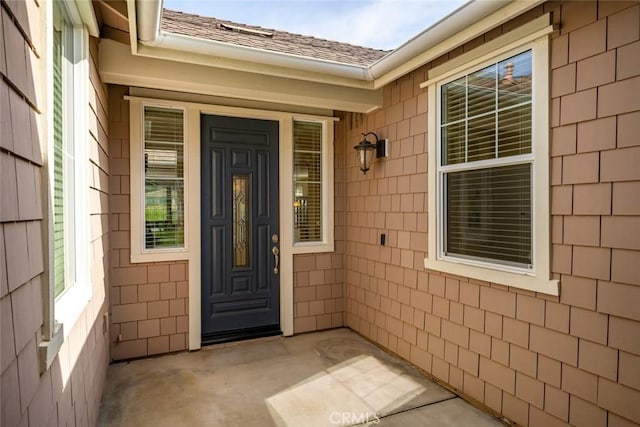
{"x":365,"y":150}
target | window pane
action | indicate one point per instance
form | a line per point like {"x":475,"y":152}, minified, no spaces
{"x":307,"y":181}
{"x":482,"y":138}
{"x":488,"y":214}
{"x":454,"y":101}
{"x":514,"y":131}
{"x":164,"y":177}
{"x":514,"y":79}
{"x":468,"y":123}
{"x":63,"y":153}
{"x":482,"y":91}
{"x":453,"y":140}
{"x":240,"y":221}
{"x":58,"y":163}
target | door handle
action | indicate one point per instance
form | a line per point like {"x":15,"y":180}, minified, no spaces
{"x":276,"y":255}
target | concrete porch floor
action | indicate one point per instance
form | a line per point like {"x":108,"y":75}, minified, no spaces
{"x":330,"y":378}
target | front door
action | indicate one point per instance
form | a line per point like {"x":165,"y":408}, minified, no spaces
{"x":240,"y":228}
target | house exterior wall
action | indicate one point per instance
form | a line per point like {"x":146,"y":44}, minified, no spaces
{"x":149,"y":301}
{"x":318,"y":291}
{"x":536,"y":359}
{"x":69,"y":392}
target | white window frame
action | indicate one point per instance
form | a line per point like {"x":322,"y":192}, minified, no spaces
{"x":62,"y":312}
{"x":326,"y":244}
{"x":138,"y":251}
{"x":538,"y":278}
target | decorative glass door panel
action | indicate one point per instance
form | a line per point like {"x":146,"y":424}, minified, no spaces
{"x":240,"y":221}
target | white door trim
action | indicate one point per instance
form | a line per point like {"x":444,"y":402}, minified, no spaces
{"x":286,"y":256}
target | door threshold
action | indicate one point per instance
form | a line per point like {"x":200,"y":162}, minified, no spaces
{"x":240,"y":335}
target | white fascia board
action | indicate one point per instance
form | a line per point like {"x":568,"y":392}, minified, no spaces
{"x":261,"y":56}
{"x":461,"y":18}
{"x":465,"y":24}
{"x":250,"y":64}
{"x":118,"y":66}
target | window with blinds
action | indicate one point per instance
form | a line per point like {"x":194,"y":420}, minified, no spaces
{"x":486,"y":163}
{"x":307,"y":181}
{"x":163,"y":177}
{"x":63,"y":154}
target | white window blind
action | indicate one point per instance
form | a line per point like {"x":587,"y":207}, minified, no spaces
{"x":486,"y":163}
{"x":163,"y":177}
{"x":63,"y":154}
{"x":307,"y":181}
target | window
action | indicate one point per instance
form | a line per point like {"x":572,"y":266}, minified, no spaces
{"x":63,"y":155}
{"x":159,"y":181}
{"x":488,"y":191}
{"x":68,"y":162}
{"x":307,"y":181}
{"x":312,"y":185}
{"x":486,"y":164}
{"x":163,"y":178}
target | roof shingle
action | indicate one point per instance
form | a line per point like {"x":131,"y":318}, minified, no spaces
{"x":262,"y":38}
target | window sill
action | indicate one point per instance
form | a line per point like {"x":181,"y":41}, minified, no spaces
{"x":312,"y":247}
{"x":160,"y":255}
{"x":71,"y":304}
{"x":48,"y":350}
{"x":516,"y":280}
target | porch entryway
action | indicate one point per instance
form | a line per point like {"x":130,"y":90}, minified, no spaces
{"x":330,"y":378}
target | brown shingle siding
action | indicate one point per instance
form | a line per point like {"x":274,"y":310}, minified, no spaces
{"x":623,"y":27}
{"x":29,"y":397}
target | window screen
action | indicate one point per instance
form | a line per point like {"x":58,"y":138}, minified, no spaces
{"x":163,"y":177}
{"x":307,"y":181}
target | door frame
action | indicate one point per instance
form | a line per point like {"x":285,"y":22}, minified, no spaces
{"x":192,"y":251}
{"x":285,"y":127}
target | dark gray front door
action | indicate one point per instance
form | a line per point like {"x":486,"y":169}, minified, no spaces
{"x":239,"y":170}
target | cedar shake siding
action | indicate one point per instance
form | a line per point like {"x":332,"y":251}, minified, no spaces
{"x":149,"y":301}
{"x":536,"y":359}
{"x":69,"y":392}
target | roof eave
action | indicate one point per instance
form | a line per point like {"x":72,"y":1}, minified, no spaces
{"x":464,"y":24}
{"x":259,"y":56}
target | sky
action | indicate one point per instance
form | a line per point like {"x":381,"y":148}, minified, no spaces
{"x":379,"y":24}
